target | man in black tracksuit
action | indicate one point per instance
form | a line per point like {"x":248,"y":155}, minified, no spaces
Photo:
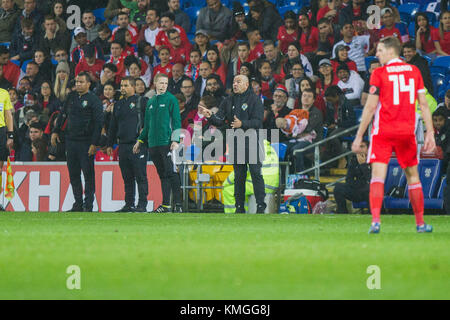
{"x":243,"y":110}
{"x":83,"y":111}
{"x":126,"y":123}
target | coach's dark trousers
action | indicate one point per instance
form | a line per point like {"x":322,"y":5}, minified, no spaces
{"x":134,"y":170}
{"x":240,"y":177}
{"x":78,"y":160}
{"x":170,"y":180}
{"x":343,"y":192}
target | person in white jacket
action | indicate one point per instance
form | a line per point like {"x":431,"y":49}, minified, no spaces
{"x":350,"y":83}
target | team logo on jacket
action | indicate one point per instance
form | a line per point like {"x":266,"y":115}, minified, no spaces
{"x":84,"y":104}
{"x":132,"y":105}
{"x":244,"y":106}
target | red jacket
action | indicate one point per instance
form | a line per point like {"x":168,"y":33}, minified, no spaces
{"x":11,"y":72}
{"x":95,"y":69}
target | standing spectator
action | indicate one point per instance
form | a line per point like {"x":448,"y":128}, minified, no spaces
{"x":412,"y":57}
{"x":357,"y":181}
{"x":8,"y":16}
{"x":125,"y":126}
{"x":215,"y":19}
{"x":266,"y":19}
{"x":426,"y":34}
{"x":24,"y":44}
{"x":90,"y":26}
{"x":278,"y":109}
{"x":83,"y":111}
{"x":243,"y":110}
{"x":10,"y":71}
{"x":181,"y":17}
{"x":150,"y":30}
{"x":390,"y":28}
{"x":443,"y":45}
{"x":288,"y":32}
{"x":167,"y":23}
{"x":161,"y":138}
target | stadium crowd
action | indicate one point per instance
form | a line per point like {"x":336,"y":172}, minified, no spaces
{"x":314,"y":60}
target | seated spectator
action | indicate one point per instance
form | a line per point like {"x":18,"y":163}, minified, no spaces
{"x":32,"y":72}
{"x":138,"y":69}
{"x":256,"y":46}
{"x":441,"y":133}
{"x":219,"y":68}
{"x":44,"y":63}
{"x":215,"y":19}
{"x":239,"y":23}
{"x":53,"y":37}
{"x":235,"y":64}
{"x":445,"y":106}
{"x":269,"y":80}
{"x":293,"y":85}
{"x":90,"y":64}
{"x":328,"y":36}
{"x":178,"y":53}
{"x":47,"y":100}
{"x":319,"y":103}
{"x":412,"y":57}
{"x":138,"y":10}
{"x":61,"y":83}
{"x":274,"y":56}
{"x":181,"y":17}
{"x":341,"y":58}
{"x":192,"y":70}
{"x":108,"y":74}
{"x":315,"y":121}
{"x":294,"y":56}
{"x":150,"y":30}
{"x":22,"y":121}
{"x":373,"y":65}
{"x":141,"y":87}
{"x":443,"y":45}
{"x":288,"y":32}
{"x":23,"y":150}
{"x":340,"y":116}
{"x":77,"y":53}
{"x":62,"y":55}
{"x":351,"y":84}
{"x":103,"y":39}
{"x":293,"y":126}
{"x":165,"y":66}
{"x":123,"y":22}
{"x":25,"y":43}
{"x":248,"y":70}
{"x":426,"y":34}
{"x":10,"y":71}
{"x":4,"y":84}
{"x":200,"y":82}
{"x":357,"y":181}
{"x":124,"y":37}
{"x":167,"y":23}
{"x":390,"y":28}
{"x":359,"y":46}
{"x":59,"y":12}
{"x":23,"y":88}
{"x":108,"y":97}
{"x":330,"y":11}
{"x":386,"y":4}
{"x":195,"y":120}
{"x":14,"y":97}
{"x":309,"y":36}
{"x":327,"y":77}
{"x":147,"y":53}
{"x":117,"y":57}
{"x":177,"y":78}
{"x":278,"y":109}
{"x":214,"y":88}
{"x":31,"y":12}
{"x":188,"y":91}
{"x":201,"y":42}
{"x":266,"y":19}
{"x":39,"y":150}
{"x":356,"y":10}
{"x":8,"y":15}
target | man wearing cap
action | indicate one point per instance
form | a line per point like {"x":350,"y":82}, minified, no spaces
{"x":90,"y":26}
{"x":167,"y":21}
{"x":351,"y":84}
{"x":89,"y":63}
{"x":215,"y":19}
{"x":341,"y":53}
{"x":202,"y":42}
{"x":390,"y":28}
{"x":359,"y":46}
{"x":53,"y":37}
{"x":80,"y":36}
{"x":278,"y":109}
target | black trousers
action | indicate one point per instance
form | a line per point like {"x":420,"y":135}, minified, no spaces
{"x":134,"y":170}
{"x":240,"y":177}
{"x":78,"y":160}
{"x":343,"y":191}
{"x":170,"y":180}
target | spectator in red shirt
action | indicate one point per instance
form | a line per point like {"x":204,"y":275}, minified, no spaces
{"x":390,"y":28}
{"x":178,"y":53}
{"x":219,"y":68}
{"x":269,"y":81}
{"x":90,"y":63}
{"x":309,"y":35}
{"x":168,"y":22}
{"x":341,"y":53}
{"x":192,"y":70}
{"x":426,"y":34}
{"x":443,"y":45}
{"x":256,"y":46}
{"x":10,"y":71}
{"x":288,"y":32}
{"x":327,"y":77}
{"x":330,"y":11}
{"x":124,"y":36}
{"x":165,"y":66}
{"x":123,"y":22}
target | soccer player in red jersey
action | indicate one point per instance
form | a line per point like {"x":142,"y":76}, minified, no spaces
{"x":394,"y":89}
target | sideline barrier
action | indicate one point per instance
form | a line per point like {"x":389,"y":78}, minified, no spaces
{"x":45,"y":187}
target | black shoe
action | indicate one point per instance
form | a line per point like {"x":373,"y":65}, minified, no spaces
{"x":76,"y":208}
{"x":1,"y":208}
{"x":141,"y":209}
{"x":162,"y":209}
{"x":87,"y":209}
{"x":127,"y":209}
{"x":240,"y":209}
{"x":178,"y":208}
{"x":261,"y":208}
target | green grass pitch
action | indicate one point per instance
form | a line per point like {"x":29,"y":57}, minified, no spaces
{"x":217,"y":256}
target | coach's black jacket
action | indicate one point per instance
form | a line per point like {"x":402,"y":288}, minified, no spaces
{"x":248,"y":108}
{"x":127,"y":120}
{"x":84,"y":116}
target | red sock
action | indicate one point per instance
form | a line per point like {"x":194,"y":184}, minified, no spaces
{"x":416,"y":197}
{"x":376,"y":198}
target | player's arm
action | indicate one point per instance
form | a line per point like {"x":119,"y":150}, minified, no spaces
{"x":430,"y":143}
{"x":368,"y":112}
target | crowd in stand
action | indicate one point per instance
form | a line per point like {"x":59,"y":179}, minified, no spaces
{"x":314,"y":60}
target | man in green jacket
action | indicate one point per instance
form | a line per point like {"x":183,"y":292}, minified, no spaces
{"x":162,"y":118}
